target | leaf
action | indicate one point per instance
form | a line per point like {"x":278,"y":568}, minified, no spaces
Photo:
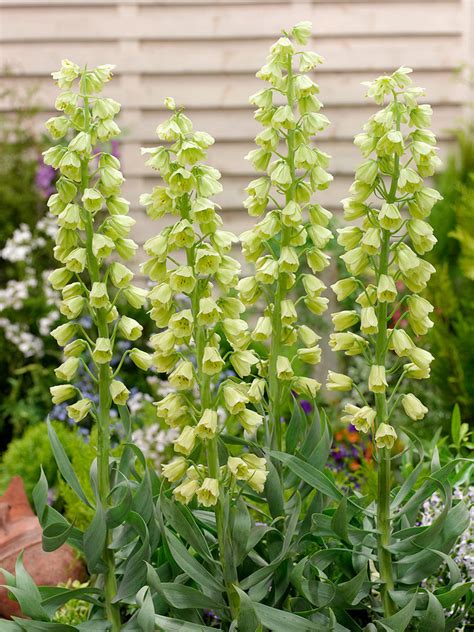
{"x":309,"y":474}
{"x":43,"y":626}
{"x":183,"y":522}
{"x":9,"y":626}
{"x":176,"y":625}
{"x":451,"y":597}
{"x":280,"y":621}
{"x":295,"y":428}
{"x":411,"y":479}
{"x":190,"y":565}
{"x":353,"y":590}
{"x":63,"y":595}
{"x":248,"y":621}
{"x":64,"y":465}
{"x":241,"y":524}
{"x":146,"y":613}
{"x":433,"y":619}
{"x":26,"y":592}
{"x":400,"y":620}
{"x":55,"y":535}
{"x":456,"y":426}
{"x":274,"y":492}
{"x":339,"y":521}
{"x":95,"y":538}
{"x":134,"y":576}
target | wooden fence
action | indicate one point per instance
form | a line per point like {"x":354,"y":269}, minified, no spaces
{"x":205,"y":54}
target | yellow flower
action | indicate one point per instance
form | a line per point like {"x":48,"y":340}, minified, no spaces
{"x":79,"y":410}
{"x":385,"y":436}
{"x":235,"y":398}
{"x":185,"y":492}
{"x":413,"y":407}
{"x":377,"y":380}
{"x":184,"y":444}
{"x":386,"y":289}
{"x":141,"y":359}
{"x":208,"y":493}
{"x":102,"y":352}
{"x":249,"y":420}
{"x":242,"y":361}
{"x":62,"y":393}
{"x":175,"y":470}
{"x":284,"y":369}
{"x":207,"y":425}
{"x":338,"y":382}
{"x":182,"y":378}
{"x":345,"y":319}
{"x":212,"y":362}
{"x":67,"y":369}
{"x":119,"y":392}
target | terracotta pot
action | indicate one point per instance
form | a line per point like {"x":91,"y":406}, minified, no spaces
{"x":20,"y":531}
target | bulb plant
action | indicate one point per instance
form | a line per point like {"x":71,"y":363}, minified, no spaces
{"x":245,"y":526}
{"x":293,"y":229}
{"x":193,"y":272}
{"x":384,"y":242}
{"x":93,"y":226}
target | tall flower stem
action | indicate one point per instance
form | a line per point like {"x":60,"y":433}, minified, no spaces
{"x":103,"y":417}
{"x":275,"y":387}
{"x":212,"y":455}
{"x":383,"y":455}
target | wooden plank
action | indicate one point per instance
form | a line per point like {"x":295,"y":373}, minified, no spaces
{"x":215,"y":92}
{"x":169,"y":22}
{"x":374,"y":54}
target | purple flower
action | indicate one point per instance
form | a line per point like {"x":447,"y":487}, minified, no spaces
{"x":306,"y":406}
{"x":45,"y":175}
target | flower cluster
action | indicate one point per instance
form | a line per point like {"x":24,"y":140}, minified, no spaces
{"x":293,"y":227}
{"x":385,"y":246}
{"x":93,"y":224}
{"x":191,"y":300}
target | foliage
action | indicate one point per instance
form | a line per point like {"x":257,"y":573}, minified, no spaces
{"x":35,"y":443}
{"x":453,"y":292}
{"x":247,"y":527}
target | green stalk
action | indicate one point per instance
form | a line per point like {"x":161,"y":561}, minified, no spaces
{"x":275,"y":388}
{"x":383,"y":455}
{"x":212,"y":455}
{"x":103,"y":417}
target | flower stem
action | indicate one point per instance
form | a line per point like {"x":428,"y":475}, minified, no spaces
{"x":103,"y":417}
{"x":221,"y":509}
{"x":383,"y":454}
